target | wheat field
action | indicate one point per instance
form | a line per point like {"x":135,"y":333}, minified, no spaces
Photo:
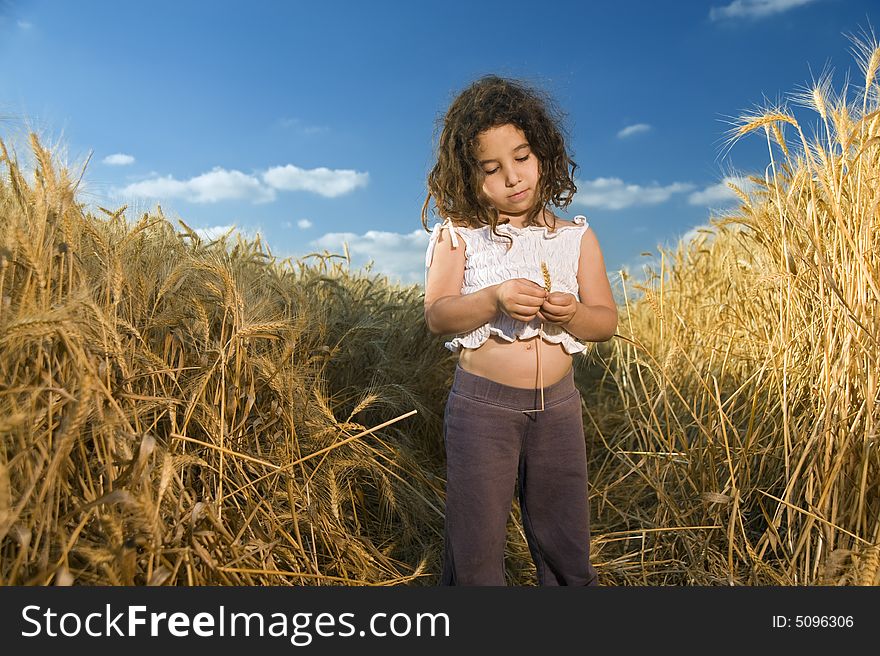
{"x":747,"y":374}
{"x":178,"y":411}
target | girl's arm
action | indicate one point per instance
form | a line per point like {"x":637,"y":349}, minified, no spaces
{"x":448,"y":312}
{"x":594,"y":318}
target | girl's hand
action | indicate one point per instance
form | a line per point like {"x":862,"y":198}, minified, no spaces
{"x":559,"y":308}
{"x":520,"y":298}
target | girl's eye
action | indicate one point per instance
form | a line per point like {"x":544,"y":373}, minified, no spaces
{"x":518,"y":159}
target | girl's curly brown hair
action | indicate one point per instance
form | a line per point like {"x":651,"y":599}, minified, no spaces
{"x":455,"y":183}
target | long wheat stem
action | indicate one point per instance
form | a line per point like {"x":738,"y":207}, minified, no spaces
{"x":545,"y":271}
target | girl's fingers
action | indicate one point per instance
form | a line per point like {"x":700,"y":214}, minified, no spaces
{"x":552,"y":308}
{"x":522,"y":311}
{"x":532,"y":290}
{"x":555,"y":313}
{"x":530,"y":301}
{"x":560,"y":298}
{"x":532,"y":286}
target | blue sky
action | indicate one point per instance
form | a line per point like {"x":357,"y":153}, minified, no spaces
{"x":313,"y":123}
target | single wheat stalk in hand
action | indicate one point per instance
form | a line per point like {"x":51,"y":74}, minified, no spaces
{"x":546,"y":271}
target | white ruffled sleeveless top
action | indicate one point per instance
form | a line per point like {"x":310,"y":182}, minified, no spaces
{"x":488,"y":262}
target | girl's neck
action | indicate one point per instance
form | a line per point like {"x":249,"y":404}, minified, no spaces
{"x":523,"y":220}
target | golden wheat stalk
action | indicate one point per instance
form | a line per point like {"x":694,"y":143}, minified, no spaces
{"x":547,"y":285}
{"x":545,"y":271}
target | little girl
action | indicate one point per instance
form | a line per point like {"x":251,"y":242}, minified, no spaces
{"x":520,"y":289}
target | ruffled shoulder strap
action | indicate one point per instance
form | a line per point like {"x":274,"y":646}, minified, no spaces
{"x":581,"y":220}
{"x":435,"y":235}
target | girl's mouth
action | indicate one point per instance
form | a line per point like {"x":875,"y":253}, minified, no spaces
{"x":519,"y":195}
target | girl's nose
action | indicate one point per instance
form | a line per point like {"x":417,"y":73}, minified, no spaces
{"x":512,"y":178}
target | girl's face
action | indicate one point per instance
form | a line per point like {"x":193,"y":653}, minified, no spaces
{"x":510,"y":170}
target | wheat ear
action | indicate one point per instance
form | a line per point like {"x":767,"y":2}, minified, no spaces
{"x":546,"y":271}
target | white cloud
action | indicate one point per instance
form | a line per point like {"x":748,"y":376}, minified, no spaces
{"x":754,"y":9}
{"x":400,"y":256}
{"x":304,"y":224}
{"x":221,"y":184}
{"x":703,"y":230}
{"x":720,"y":195}
{"x":615,"y":194}
{"x":631,"y":130}
{"x":323,"y":181}
{"x":217,"y":185}
{"x":25,"y":25}
{"x":214,"y":232}
{"x":118,"y":159}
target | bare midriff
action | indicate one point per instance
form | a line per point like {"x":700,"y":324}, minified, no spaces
{"x":516,"y":363}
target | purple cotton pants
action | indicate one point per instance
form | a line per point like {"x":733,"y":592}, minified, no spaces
{"x":493,"y":449}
